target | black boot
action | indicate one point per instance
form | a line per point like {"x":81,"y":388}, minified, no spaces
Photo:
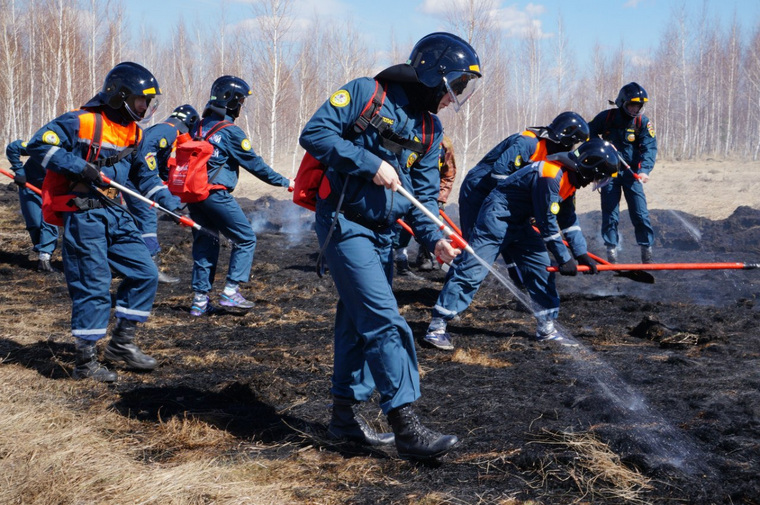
{"x":347,"y":425}
{"x":162,"y":277}
{"x":121,"y":347}
{"x":415,"y":441}
{"x":646,"y":254}
{"x":87,"y":366}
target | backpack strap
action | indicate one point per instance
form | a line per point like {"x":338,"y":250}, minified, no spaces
{"x":371,"y":109}
{"x":218,"y":126}
{"x":97,"y":140}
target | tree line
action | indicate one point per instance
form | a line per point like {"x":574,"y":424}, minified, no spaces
{"x":703,"y":79}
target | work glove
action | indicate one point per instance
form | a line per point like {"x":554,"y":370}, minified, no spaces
{"x":569,"y":267}
{"x":20,"y":180}
{"x":91,"y":174}
{"x":584,"y":259}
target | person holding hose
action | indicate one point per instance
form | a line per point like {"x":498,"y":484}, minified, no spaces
{"x":99,"y":234}
{"x":374,"y":345}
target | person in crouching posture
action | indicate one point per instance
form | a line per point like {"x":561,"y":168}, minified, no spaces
{"x":99,"y":234}
{"x":545,"y":191}
{"x":374,"y":346}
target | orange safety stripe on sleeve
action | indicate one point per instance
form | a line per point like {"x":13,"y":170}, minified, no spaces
{"x":528,"y":133}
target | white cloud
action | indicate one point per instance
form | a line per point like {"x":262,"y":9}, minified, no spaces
{"x":513,"y":20}
{"x":519,"y":23}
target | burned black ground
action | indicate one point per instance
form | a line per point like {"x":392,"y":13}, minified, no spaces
{"x":667,"y":374}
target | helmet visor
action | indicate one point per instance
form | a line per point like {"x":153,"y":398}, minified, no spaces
{"x":460,"y":86}
{"x":600,"y":183}
{"x":141,"y":108}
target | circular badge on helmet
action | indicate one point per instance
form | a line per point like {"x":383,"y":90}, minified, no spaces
{"x":246,"y":145}
{"x":554,"y":208}
{"x":50,"y":137}
{"x":340,"y":98}
{"x":162,"y":143}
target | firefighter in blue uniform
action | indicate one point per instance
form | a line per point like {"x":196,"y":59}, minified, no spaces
{"x":632,"y":134}
{"x":564,"y":133}
{"x":99,"y":234}
{"x":43,"y":234}
{"x":545,"y":191}
{"x":154,"y":152}
{"x":220,"y":211}
{"x":374,"y":346}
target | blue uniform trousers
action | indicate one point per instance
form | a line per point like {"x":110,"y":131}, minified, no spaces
{"x":473,"y":193}
{"x":44,"y":235}
{"x":221,"y":212}
{"x":374,"y":345}
{"x":633,"y":191}
{"x":493,"y":233}
{"x":94,"y":242}
{"x":146,"y":221}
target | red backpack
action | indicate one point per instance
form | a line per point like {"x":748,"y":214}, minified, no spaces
{"x":188,"y":173}
{"x":310,"y":178}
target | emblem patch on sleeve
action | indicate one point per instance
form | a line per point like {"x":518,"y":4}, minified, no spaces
{"x":340,"y":98}
{"x":650,"y":129}
{"x":246,"y":145}
{"x":50,"y":137}
{"x":518,"y":161}
{"x":150,"y":160}
{"x":23,"y":144}
{"x":162,"y":143}
{"x":554,"y":208}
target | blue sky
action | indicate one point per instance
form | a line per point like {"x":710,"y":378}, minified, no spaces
{"x":635,"y":25}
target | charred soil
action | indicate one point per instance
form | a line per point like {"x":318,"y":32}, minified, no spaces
{"x":660,"y":402}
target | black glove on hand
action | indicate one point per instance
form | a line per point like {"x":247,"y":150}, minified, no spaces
{"x":91,"y":174}
{"x":20,"y":180}
{"x":584,"y":259}
{"x":569,"y":268}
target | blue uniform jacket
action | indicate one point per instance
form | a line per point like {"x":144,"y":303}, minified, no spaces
{"x":543,"y":190}
{"x":324,"y":137}
{"x":639,"y":149}
{"x":32,"y":170}
{"x":157,"y":146}
{"x":232,"y":151}
{"x":58,"y":146}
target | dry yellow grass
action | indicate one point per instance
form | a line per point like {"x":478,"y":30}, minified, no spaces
{"x":596,"y":470}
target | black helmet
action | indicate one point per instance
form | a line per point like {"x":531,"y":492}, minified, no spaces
{"x":595,"y":160}
{"x":568,"y":129}
{"x":631,"y":93}
{"x":228,"y":93}
{"x":123,"y":84}
{"x":447,"y":64}
{"x":186,"y":115}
